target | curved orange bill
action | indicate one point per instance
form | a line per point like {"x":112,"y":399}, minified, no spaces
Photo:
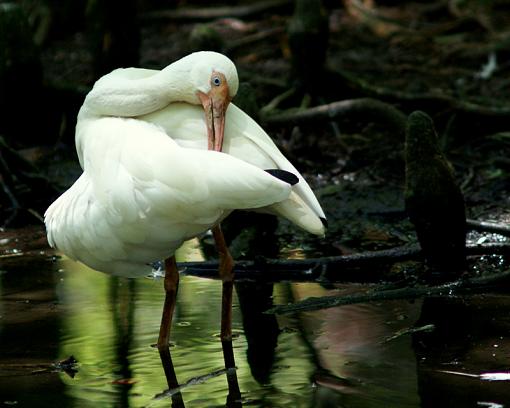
{"x":215,"y":104}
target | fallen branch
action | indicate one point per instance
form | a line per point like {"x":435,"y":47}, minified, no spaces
{"x":309,"y":269}
{"x":211,"y":13}
{"x":459,"y":287}
{"x":372,"y":108}
{"x":344,"y":268}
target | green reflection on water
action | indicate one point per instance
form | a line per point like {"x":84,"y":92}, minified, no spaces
{"x":111,"y":323}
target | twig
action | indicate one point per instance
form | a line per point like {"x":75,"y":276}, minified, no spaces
{"x":457,"y":288}
{"x":211,"y":13}
{"x":409,"y":330}
{"x":199,"y":379}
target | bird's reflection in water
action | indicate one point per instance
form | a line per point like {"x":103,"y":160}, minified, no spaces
{"x":171,"y":378}
{"x":122,"y":294}
{"x":122,"y":301}
{"x":247,"y":237}
{"x":234,"y":393}
{"x":261,"y":334}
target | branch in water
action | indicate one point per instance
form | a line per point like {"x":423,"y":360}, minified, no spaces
{"x":459,"y":287}
{"x":335,"y":267}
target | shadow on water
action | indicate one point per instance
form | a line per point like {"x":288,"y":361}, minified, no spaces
{"x":351,"y":356}
{"x":261,"y":330}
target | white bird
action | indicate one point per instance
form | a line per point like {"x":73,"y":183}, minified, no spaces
{"x":151,"y":178}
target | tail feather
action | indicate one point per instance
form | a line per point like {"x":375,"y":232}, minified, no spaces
{"x":297,"y":211}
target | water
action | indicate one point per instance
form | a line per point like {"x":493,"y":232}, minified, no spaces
{"x":50,"y":311}
{"x":351,"y":356}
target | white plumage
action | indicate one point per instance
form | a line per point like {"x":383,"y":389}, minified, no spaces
{"x":149,"y":182}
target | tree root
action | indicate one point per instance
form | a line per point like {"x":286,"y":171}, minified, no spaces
{"x":372,"y":108}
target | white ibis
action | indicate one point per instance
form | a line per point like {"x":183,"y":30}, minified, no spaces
{"x":154,"y":176}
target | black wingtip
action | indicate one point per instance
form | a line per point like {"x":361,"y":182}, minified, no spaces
{"x":324,"y":222}
{"x":284,"y":175}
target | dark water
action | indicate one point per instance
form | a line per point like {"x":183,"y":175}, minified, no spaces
{"x":351,"y":356}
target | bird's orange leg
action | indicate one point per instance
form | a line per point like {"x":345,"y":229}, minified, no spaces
{"x":171,"y":284}
{"x":227,"y":276}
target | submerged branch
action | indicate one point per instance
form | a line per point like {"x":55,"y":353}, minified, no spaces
{"x":459,"y":287}
{"x":334,"y":268}
{"x":301,"y":269}
{"x":199,"y":379}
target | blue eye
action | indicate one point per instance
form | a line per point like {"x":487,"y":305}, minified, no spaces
{"x":216,"y":81}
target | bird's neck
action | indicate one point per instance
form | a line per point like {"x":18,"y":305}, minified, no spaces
{"x":133,"y":91}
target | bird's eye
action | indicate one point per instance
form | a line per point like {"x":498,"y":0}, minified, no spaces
{"x":216,"y":81}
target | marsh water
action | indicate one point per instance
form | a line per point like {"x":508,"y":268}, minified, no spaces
{"x":73,"y":337}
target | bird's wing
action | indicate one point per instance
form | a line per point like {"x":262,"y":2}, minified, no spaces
{"x":141,"y":195}
{"x":245,"y":140}
{"x":247,"y":127}
{"x":142,"y":152}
